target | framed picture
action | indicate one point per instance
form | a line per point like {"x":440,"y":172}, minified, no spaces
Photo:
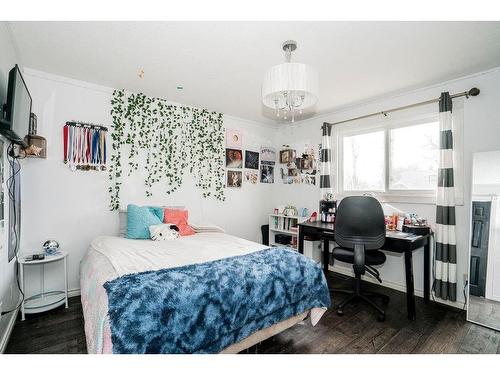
{"x":287,"y":156}
{"x":267,"y":174}
{"x":267,"y":155}
{"x":251,"y":177}
{"x":251,"y":160}
{"x":307,"y":163}
{"x":308,"y":179}
{"x":234,"y":139}
{"x":234,"y":179}
{"x":234,"y":158}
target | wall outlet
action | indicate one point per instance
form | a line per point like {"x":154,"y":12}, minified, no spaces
{"x":466,"y":278}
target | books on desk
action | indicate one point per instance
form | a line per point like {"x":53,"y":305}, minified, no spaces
{"x":398,"y":234}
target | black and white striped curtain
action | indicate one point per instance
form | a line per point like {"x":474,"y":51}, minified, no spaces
{"x":325,"y":180}
{"x":445,"y":284}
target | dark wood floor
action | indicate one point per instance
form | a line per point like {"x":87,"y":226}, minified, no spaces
{"x":437,"y":329}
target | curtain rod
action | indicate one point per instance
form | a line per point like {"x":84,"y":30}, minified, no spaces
{"x":472,"y":92}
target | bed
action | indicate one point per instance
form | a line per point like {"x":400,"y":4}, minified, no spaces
{"x":114,"y":266}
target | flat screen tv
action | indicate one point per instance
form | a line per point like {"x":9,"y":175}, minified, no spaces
{"x":17,"y":110}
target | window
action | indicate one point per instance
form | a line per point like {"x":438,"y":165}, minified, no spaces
{"x":414,"y":157}
{"x":395,"y":159}
{"x":364,"y":162}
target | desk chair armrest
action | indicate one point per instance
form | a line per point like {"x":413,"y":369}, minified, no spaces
{"x":359,"y":259}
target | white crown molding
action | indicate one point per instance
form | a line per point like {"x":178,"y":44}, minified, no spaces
{"x":275,"y":125}
{"x":109,"y":90}
{"x":394,"y":95}
{"x":253,"y":123}
{"x":68,"y":81}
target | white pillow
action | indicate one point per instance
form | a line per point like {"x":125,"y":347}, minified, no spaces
{"x":162,"y":232}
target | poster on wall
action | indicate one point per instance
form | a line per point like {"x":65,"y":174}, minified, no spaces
{"x":234,"y":158}
{"x":251,"y":177}
{"x":287,"y":156}
{"x":308,"y":179}
{"x":267,"y":155}
{"x":234,"y":179}
{"x":234,"y":139}
{"x":251,"y":160}
{"x":267,"y":174}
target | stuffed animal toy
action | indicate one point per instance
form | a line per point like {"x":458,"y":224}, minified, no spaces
{"x":163,"y":232}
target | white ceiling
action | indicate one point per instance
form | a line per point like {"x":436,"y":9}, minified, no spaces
{"x":221,"y":64}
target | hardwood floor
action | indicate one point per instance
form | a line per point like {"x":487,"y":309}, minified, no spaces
{"x":484,"y":311}
{"x":56,"y":331}
{"x":437,"y":329}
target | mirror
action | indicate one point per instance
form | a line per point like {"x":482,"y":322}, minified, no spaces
{"x":484,"y":256}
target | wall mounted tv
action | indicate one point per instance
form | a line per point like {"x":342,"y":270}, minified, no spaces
{"x":17,"y":110}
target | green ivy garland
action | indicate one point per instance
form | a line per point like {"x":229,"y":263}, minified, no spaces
{"x":165,"y":140}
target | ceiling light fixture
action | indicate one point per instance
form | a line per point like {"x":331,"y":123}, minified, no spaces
{"x":289,"y":88}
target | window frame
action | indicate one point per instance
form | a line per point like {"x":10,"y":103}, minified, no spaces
{"x":386,"y":125}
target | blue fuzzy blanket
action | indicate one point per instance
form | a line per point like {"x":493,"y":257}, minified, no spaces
{"x":204,"y":308}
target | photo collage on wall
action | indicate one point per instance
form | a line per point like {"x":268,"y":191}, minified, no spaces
{"x":237,"y":159}
{"x":298,"y":169}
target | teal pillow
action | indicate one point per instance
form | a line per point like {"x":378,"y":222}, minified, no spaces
{"x":140,"y":218}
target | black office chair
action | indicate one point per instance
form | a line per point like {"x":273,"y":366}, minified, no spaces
{"x":359,"y":234}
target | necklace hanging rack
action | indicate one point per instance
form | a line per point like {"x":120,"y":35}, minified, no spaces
{"x":84,"y":146}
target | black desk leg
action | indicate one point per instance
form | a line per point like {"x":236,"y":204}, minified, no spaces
{"x":410,"y":289}
{"x":326,"y":254}
{"x":301,"y":241}
{"x":427,"y":269}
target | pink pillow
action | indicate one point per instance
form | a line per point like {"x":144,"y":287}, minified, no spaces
{"x":179,"y":218}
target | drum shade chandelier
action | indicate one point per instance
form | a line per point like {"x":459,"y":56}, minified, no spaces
{"x":290,"y":88}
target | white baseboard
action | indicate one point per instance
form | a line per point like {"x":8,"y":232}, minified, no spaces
{"x":10,"y":326}
{"x":392,"y":285}
{"x":74,"y":292}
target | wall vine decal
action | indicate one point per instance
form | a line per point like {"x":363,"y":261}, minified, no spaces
{"x":166,"y":141}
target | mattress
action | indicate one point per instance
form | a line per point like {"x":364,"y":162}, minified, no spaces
{"x":111,"y":257}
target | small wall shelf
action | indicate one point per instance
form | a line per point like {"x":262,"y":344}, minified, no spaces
{"x":36,"y":142}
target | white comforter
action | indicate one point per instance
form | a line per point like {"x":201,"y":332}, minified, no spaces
{"x":132,"y":256}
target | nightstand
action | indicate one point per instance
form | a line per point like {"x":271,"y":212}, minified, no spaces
{"x":46,"y":300}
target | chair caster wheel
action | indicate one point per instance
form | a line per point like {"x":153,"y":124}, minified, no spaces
{"x":381,"y":317}
{"x":340,"y":312}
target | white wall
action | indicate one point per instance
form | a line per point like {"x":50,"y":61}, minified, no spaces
{"x":481,"y":133}
{"x":72,"y":207}
{"x":9,"y":295}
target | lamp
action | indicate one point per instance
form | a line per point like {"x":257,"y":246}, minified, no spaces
{"x":290,"y":87}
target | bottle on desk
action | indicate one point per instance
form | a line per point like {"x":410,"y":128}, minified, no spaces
{"x":327,"y":209}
